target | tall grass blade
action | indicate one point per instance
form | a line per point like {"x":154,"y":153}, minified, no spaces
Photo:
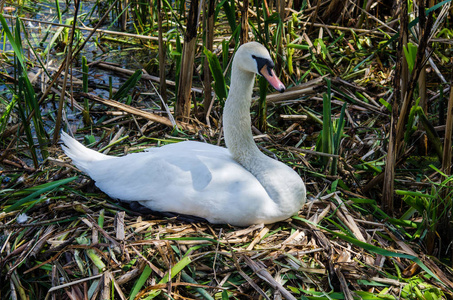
{"x":17,"y":47}
{"x":6,"y":114}
{"x":86,"y":105}
{"x":410,"y":53}
{"x":337,"y":140}
{"x":208,"y":41}
{"x":36,"y":195}
{"x":225,"y":47}
{"x":327,"y":123}
{"x":130,"y":83}
{"x":220,"y":87}
{"x":84,"y":75}
{"x":175,"y":270}
{"x":57,"y":6}
{"x":140,"y":282}
{"x":229,"y":8}
{"x":177,"y":55}
{"x":26,"y":93}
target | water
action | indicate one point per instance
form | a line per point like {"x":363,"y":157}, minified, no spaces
{"x":39,"y":36}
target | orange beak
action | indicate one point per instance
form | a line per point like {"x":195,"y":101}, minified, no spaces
{"x":270,"y":76}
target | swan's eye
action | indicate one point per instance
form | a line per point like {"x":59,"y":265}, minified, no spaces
{"x":253,"y":56}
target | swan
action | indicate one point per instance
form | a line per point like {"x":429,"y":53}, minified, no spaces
{"x":237,"y":185}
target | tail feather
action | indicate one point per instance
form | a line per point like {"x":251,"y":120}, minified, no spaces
{"x":81,"y":156}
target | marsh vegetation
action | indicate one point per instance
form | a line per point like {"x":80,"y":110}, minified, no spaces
{"x":366,"y":121}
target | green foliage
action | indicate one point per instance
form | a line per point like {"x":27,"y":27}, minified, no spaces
{"x":330,"y":137}
{"x":416,"y":118}
{"x":86,"y":106}
{"x":224,"y":54}
{"x":57,"y":5}
{"x":230,"y":12}
{"x":176,"y":53}
{"x":24,"y":95}
{"x":84,"y":75}
{"x":220,"y":87}
{"x":410,"y":53}
{"x":432,"y":205}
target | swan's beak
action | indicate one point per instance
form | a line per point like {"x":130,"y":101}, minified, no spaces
{"x":270,"y":76}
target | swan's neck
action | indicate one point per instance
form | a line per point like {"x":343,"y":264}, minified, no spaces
{"x":281,"y":183}
{"x":236,"y":118}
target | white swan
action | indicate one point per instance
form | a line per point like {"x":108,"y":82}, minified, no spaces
{"x":239,"y":185}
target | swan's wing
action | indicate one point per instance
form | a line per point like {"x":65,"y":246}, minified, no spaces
{"x":189,"y":177}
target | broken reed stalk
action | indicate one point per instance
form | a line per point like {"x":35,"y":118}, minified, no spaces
{"x":424,"y":105}
{"x":334,"y":11}
{"x":400,"y":83}
{"x":396,"y":144}
{"x":124,"y":15}
{"x":420,"y":61}
{"x":67,"y":63}
{"x":244,"y":21}
{"x":188,"y":55}
{"x":162,"y":48}
{"x":209,"y":44}
{"x":314,"y":16}
{"x":389,"y":172}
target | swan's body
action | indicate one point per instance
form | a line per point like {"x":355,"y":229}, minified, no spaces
{"x":239,"y":185}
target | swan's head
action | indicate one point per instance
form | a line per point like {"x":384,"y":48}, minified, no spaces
{"x":254,"y":57}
